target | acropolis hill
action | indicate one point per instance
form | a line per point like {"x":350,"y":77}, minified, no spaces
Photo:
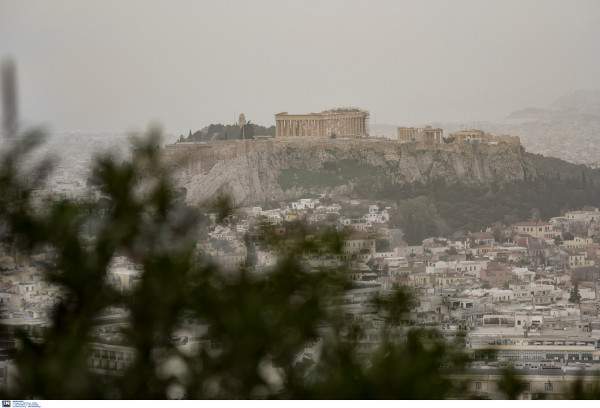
{"x":286,"y":167}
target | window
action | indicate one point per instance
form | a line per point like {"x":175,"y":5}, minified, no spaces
{"x":549,"y":387}
{"x":510,"y":354}
{"x":526,"y":386}
{"x":533,"y":355}
{"x":478,"y":386}
{"x":555,"y":355}
{"x":462,"y":386}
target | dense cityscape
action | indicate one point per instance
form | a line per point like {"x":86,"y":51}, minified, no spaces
{"x":522,"y":296}
{"x":299,"y":201}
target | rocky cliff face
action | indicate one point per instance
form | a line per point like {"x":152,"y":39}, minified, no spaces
{"x":250,"y":172}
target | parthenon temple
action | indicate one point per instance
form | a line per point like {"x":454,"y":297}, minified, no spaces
{"x":338,"y":122}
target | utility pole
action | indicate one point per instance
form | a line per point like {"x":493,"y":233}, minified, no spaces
{"x":9,"y":99}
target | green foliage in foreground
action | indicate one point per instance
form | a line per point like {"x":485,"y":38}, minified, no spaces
{"x":259,"y":324}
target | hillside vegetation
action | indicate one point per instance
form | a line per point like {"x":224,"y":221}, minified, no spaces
{"x":552,"y":166}
{"x":228,"y":132}
{"x":333,"y":174}
{"x":439,"y":208}
{"x":442,"y":207}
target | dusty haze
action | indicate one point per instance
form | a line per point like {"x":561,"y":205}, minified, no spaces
{"x":117,"y":66}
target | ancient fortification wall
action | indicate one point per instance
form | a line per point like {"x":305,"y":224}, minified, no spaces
{"x":249,"y":170}
{"x":200,"y":158}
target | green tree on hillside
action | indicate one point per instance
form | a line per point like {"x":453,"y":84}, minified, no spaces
{"x":575,"y":295}
{"x":418,"y":218}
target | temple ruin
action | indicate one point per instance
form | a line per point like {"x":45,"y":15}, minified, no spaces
{"x":422,"y":135}
{"x":479,"y":136}
{"x":335,"y":122}
{"x":429,"y":136}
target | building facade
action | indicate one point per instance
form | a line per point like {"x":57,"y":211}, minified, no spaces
{"x":468,"y":135}
{"x":335,"y":122}
{"x":543,"y":230}
{"x":420,"y":135}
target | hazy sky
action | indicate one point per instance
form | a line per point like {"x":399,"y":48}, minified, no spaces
{"x":120,"y":65}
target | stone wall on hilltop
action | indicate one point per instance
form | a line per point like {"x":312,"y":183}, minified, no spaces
{"x":248,"y":170}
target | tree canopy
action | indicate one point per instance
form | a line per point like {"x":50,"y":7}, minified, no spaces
{"x":256,"y":325}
